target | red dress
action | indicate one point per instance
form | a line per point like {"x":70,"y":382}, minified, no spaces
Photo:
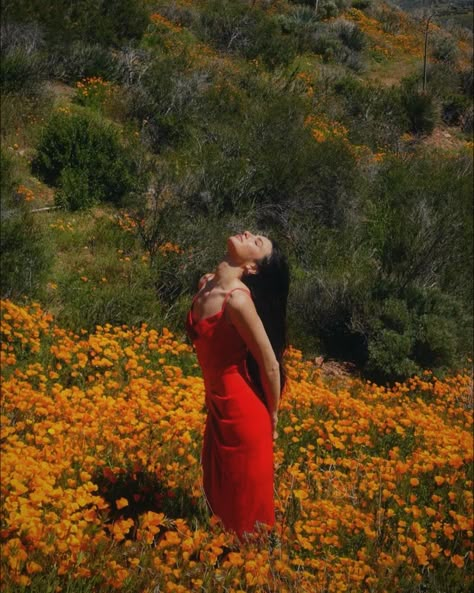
{"x":237,"y":453}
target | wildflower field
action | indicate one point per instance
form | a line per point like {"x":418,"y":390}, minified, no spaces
{"x":101,"y":436}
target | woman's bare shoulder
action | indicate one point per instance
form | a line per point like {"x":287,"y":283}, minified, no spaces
{"x":239,"y":296}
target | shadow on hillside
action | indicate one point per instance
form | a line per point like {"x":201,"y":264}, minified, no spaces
{"x":143,"y":492}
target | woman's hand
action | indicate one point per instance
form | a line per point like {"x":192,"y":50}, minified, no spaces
{"x":274,"y":419}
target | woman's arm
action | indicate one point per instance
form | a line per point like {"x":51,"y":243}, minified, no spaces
{"x":242,"y":314}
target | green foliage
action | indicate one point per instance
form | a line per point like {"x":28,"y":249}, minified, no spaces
{"x":467,"y":81}
{"x":442,"y":80}
{"x":7,"y":177}
{"x":374,"y":115}
{"x":439,"y":339}
{"x":325,"y":8}
{"x":94,"y":93}
{"x":80,"y":60}
{"x":85,"y":307}
{"x":103,"y":22}
{"x":391,"y":291}
{"x":74,"y":191}
{"x":362,"y":4}
{"x":381,"y":251}
{"x":20,"y":73}
{"x":389,"y":356}
{"x":235,"y":27}
{"x":454,"y":109}
{"x":350,"y":35}
{"x":84,"y":157}
{"x":424,"y":330}
{"x":22,"y":62}
{"x":231,"y":167}
{"x":102,"y":277}
{"x":24,"y":259}
{"x":391,"y":341}
{"x":444,"y":48}
{"x":420,"y":110}
{"x":337,"y":41}
{"x":467,"y":121}
{"x":413,"y":208}
{"x":165,"y":98}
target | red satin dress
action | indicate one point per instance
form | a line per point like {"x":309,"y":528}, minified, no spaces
{"x":237,"y":453}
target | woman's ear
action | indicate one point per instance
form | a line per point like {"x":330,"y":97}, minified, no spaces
{"x":250,"y":269}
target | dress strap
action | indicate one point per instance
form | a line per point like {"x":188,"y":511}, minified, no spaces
{"x":227,"y":295}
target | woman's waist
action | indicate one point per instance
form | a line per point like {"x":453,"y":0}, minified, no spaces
{"x":226,"y":375}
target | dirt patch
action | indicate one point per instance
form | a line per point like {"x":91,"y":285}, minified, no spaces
{"x":60,"y":91}
{"x":334,"y":368}
{"x":444,"y":138}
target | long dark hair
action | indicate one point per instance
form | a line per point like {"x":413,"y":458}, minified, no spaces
{"x":269,"y":288}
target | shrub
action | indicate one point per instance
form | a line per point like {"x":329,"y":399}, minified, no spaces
{"x":249,"y":32}
{"x":327,"y":187}
{"x":328,"y":45}
{"x":7,"y":176}
{"x":443,"y":338}
{"x":391,"y":289}
{"x":422,"y":234}
{"x":106,"y":23}
{"x":467,"y":121}
{"x":299,"y":17}
{"x":74,"y":191}
{"x":454,"y":110}
{"x":22,"y":64}
{"x":389,"y":357}
{"x":84,"y":157}
{"x":388,"y":17}
{"x":362,"y":4}
{"x":20,"y":73}
{"x":390,"y":340}
{"x":259,"y":161}
{"x":420,"y":111}
{"x":222,"y":173}
{"x":467,"y":81}
{"x":337,"y":42}
{"x":444,"y":48}
{"x":350,"y":34}
{"x":419,"y":221}
{"x":82,"y":60}
{"x":332,"y":279}
{"x":325,"y":8}
{"x":164,"y":98}
{"x":24,"y":259}
{"x":374,"y":115}
{"x":426,"y":329}
{"x":442,"y":80}
{"x":132,"y":64}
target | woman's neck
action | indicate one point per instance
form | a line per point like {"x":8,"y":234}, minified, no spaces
{"x":226,"y":273}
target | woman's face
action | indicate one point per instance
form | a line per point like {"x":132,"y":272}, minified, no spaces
{"x":248,"y":248}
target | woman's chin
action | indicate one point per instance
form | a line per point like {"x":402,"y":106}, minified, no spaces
{"x":231,"y":241}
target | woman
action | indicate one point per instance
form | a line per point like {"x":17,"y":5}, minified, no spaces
{"x":237,"y":324}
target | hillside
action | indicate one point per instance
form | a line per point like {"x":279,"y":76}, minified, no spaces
{"x":197,"y":119}
{"x":456,"y":12}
